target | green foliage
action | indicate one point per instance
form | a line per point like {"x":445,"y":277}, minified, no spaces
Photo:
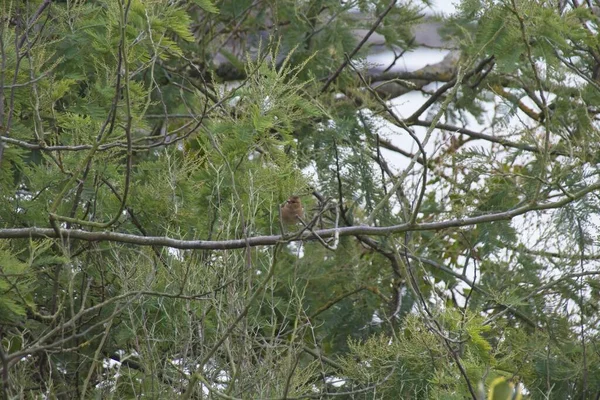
{"x":15,"y":288}
{"x":146,"y":149}
{"x":206,"y":5}
{"x":500,"y":389}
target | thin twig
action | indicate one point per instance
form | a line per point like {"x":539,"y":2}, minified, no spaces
{"x":358,"y":46}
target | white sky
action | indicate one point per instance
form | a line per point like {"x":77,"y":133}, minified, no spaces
{"x":405,"y":105}
{"x":443,"y":6}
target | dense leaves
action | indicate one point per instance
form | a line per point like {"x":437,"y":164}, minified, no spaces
{"x":448,"y":248}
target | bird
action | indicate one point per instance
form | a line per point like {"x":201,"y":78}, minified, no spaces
{"x":292,"y":210}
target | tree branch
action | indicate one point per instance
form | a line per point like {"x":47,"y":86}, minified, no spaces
{"x":39,"y":233}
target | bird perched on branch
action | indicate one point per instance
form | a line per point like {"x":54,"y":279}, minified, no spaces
{"x":292,"y":210}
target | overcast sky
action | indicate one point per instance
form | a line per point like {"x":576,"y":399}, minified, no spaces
{"x":444,"y":6}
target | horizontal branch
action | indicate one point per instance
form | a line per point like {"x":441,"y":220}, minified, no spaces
{"x":81,"y":147}
{"x":390,"y":85}
{"x":442,"y":71}
{"x":39,"y":233}
{"x":490,"y":138}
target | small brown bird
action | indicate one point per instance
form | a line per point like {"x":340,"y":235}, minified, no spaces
{"x":292,"y":210}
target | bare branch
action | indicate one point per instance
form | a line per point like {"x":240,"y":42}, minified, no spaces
{"x":38,"y":233}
